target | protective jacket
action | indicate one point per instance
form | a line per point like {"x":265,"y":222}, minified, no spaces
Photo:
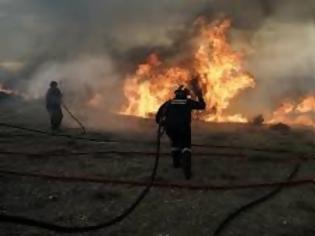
{"x":53,"y":99}
{"x":53,"y":105}
{"x":177,"y":112}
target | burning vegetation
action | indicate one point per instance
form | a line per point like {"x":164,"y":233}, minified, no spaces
{"x":218,"y":68}
{"x":208,"y":58}
{"x":296,"y":113}
{"x":221,"y":75}
{"x":5,"y":91}
{"x":12,"y":95}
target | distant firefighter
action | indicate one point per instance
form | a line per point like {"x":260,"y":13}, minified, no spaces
{"x":53,"y":105}
{"x":175,"y":116}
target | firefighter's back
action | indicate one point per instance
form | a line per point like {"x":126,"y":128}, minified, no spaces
{"x":178,"y":113}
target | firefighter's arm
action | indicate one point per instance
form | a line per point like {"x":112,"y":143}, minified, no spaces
{"x":200,"y":104}
{"x":197,"y":105}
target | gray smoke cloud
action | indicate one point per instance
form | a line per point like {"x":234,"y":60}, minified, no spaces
{"x":282,"y":57}
{"x":85,"y":45}
{"x":91,"y":45}
{"x":278,"y":38}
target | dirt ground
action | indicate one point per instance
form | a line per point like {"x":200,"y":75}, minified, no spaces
{"x":165,"y":211}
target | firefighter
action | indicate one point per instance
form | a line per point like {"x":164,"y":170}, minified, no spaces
{"x":175,"y":116}
{"x":53,"y":105}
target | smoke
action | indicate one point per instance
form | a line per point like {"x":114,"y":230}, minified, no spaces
{"x":82,"y":44}
{"x":90,"y":86}
{"x":283,"y":61}
{"x":278,"y":40}
{"x":282,"y":55}
{"x":90,"y":46}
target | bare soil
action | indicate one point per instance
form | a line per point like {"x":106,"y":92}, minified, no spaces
{"x":165,"y":211}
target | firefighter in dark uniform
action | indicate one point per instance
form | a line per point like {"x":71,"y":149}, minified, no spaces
{"x":53,"y":105}
{"x":175,"y":116}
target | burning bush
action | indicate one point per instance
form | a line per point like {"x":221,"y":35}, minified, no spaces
{"x":296,"y":113}
{"x":218,"y":67}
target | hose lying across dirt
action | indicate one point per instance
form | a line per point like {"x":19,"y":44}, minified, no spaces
{"x":145,"y":154}
{"x":254,"y":203}
{"x":102,"y":140}
{"x":160,"y":184}
{"x":218,"y":231}
{"x":64,"y":229}
{"x":47,"y":133}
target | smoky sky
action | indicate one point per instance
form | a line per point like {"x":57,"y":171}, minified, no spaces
{"x":32,"y":29}
{"x":277,"y":35}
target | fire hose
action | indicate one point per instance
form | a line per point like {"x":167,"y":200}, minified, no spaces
{"x":159,"y":184}
{"x":145,"y":154}
{"x":76,"y":137}
{"x":65,"y":229}
{"x":220,"y":228}
{"x":74,"y":118}
{"x":254,"y":203}
{"x":43,"y":132}
{"x":225,"y":223}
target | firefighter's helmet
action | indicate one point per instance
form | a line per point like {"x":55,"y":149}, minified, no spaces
{"x":181,"y":92}
{"x":53,"y":84}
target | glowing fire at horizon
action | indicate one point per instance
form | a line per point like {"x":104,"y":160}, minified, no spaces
{"x":221,"y":75}
{"x":6,"y":91}
{"x":296,"y":113}
{"x":218,"y":67}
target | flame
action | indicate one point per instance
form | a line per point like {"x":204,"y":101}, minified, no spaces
{"x":9,"y":92}
{"x":296,"y":113}
{"x":151,"y":85}
{"x":6,"y":91}
{"x":218,"y":66}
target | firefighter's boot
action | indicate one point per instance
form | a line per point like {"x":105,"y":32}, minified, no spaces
{"x":176,"y":156}
{"x":186,"y":156}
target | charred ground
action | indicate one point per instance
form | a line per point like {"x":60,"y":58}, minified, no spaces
{"x":164,"y":211}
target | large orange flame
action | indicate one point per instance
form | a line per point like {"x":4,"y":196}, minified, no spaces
{"x":217,"y":65}
{"x":296,"y":113}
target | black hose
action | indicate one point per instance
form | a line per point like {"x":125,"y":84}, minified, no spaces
{"x":74,"y":118}
{"x":65,"y":229}
{"x":43,"y":132}
{"x":7,"y":125}
{"x":224,"y":224}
